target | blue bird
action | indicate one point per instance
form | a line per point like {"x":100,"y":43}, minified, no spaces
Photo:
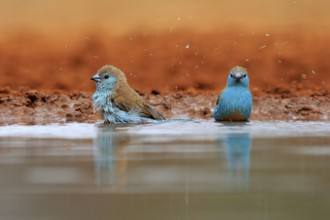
{"x":235,"y":101}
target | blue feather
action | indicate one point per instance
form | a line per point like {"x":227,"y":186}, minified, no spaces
{"x":235,"y":101}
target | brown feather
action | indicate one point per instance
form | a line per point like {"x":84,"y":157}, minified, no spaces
{"x":126,"y":98}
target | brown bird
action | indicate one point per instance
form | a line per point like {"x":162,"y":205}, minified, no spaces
{"x":117,"y":101}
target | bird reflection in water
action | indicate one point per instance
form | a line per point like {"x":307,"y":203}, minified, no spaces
{"x":112,"y":157}
{"x":238,"y":146}
{"x":109,"y":160}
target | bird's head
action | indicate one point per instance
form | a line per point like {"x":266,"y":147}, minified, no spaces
{"x":108,"y":78}
{"x":238,"y":76}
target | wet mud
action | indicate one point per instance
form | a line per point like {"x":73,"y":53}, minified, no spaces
{"x":33,"y":107}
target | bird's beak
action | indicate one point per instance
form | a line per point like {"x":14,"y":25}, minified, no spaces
{"x":238,"y":76}
{"x":96,"y":78}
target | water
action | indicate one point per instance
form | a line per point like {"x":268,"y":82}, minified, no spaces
{"x":174,"y":170}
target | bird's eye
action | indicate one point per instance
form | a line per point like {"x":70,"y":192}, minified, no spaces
{"x":244,"y":75}
{"x":106,"y":76}
{"x":232,"y":75}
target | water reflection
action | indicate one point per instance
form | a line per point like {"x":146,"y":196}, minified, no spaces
{"x":140,"y":172}
{"x":115,"y":148}
{"x":109,"y":159}
{"x":238,"y":146}
{"x":104,"y":155}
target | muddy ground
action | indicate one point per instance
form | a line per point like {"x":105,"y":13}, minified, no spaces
{"x":45,"y":77}
{"x":33,"y":107}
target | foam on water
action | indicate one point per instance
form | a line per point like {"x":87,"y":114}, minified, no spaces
{"x":194,"y":129}
{"x":67,"y":131}
{"x":256,"y":128}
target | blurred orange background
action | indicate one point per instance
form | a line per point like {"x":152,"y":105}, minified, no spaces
{"x":164,"y":45}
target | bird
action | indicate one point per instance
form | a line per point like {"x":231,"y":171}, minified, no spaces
{"x":235,"y":101}
{"x":117,"y":101}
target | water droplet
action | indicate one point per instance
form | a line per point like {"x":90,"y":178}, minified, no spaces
{"x":187,"y":46}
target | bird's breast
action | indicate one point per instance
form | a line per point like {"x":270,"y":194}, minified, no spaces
{"x":101,"y":101}
{"x":234,"y":105}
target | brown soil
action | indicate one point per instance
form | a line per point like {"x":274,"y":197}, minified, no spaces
{"x":46,"y":77}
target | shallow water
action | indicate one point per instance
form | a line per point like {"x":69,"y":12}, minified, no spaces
{"x":173,"y":170}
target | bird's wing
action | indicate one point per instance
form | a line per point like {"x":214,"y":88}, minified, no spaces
{"x":122,"y":105}
{"x":136,"y":103}
{"x":149,"y":112}
{"x":218,"y":99}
